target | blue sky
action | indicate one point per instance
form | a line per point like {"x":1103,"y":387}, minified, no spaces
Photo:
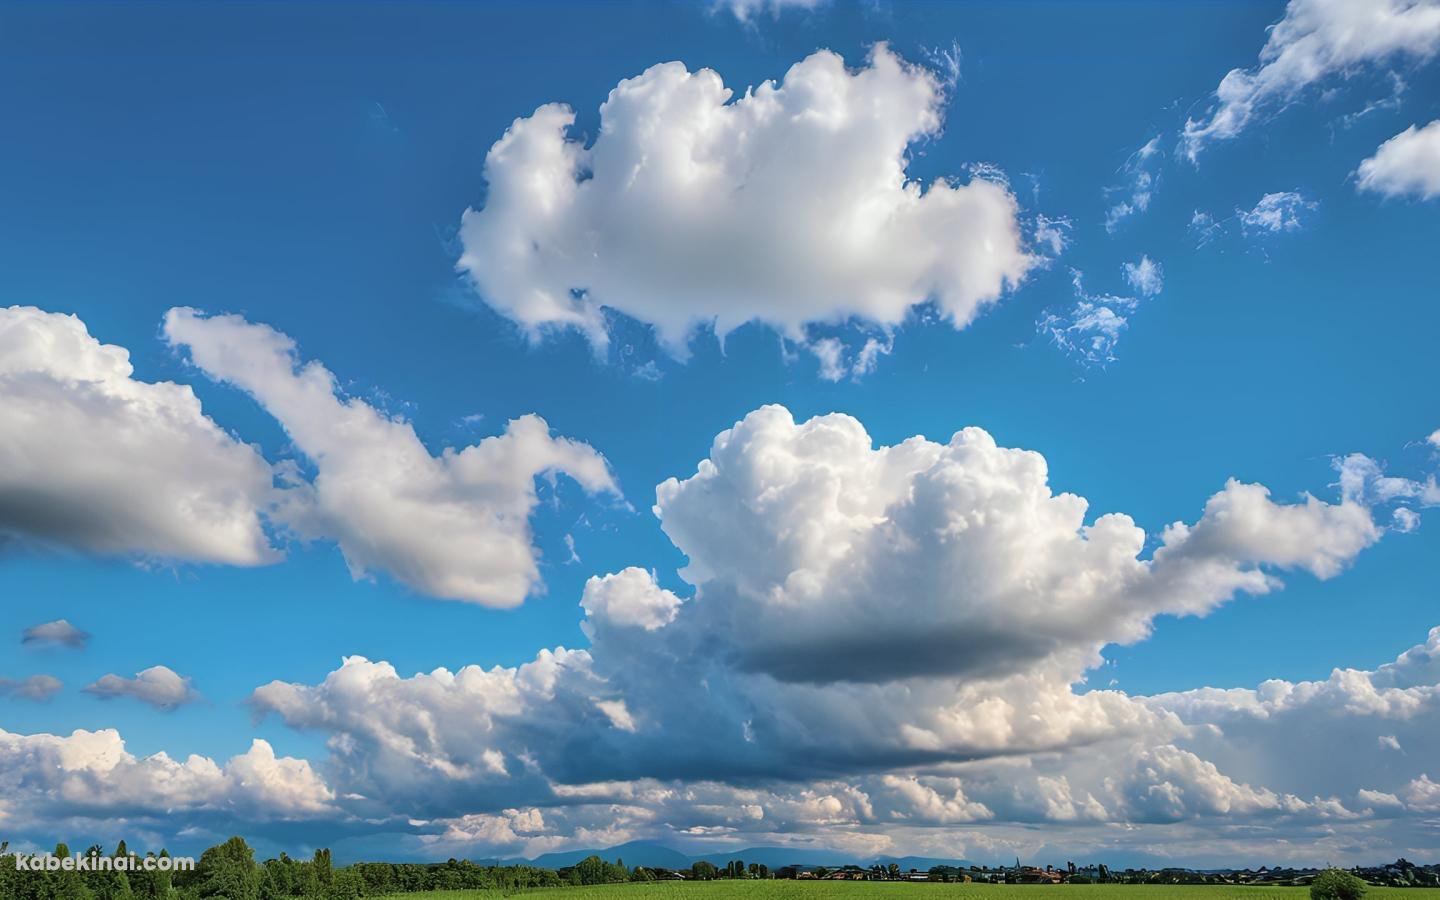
{"x":307,"y":167}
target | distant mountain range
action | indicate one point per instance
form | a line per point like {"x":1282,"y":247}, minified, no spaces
{"x":652,"y":855}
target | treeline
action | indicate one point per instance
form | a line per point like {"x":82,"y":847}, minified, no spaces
{"x":594,"y":870}
{"x":229,"y":871}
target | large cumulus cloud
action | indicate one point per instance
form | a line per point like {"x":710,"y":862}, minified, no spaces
{"x":789,"y":205}
{"x":912,"y":623}
{"x":878,"y":646}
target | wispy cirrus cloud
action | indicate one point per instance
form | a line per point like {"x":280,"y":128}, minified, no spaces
{"x":1089,"y":329}
{"x":1314,"y":41}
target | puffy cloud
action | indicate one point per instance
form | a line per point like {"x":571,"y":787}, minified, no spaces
{"x":276,"y":785}
{"x":1313,"y":41}
{"x":88,"y":775}
{"x":1363,"y":717}
{"x":1408,"y":163}
{"x":454,"y":526}
{"x":93,"y":459}
{"x":1423,"y":795}
{"x":789,"y":205}
{"x":809,"y":534}
{"x":1146,"y":276}
{"x":512,"y":828}
{"x":1169,"y":784}
{"x":159,"y":686}
{"x":922,"y":798}
{"x":36,"y":687}
{"x":630,"y":598}
{"x":813,"y":554}
{"x":59,"y":632}
{"x":403,"y":737}
{"x":1275,"y":212}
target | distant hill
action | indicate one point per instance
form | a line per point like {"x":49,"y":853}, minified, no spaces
{"x":775,"y":857}
{"x":653,"y":855}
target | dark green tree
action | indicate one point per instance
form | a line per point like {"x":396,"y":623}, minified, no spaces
{"x":228,"y":870}
{"x":594,"y":870}
{"x":323,"y":870}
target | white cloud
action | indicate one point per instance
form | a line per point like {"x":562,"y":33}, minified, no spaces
{"x":925,"y":800}
{"x":1365,"y":717}
{"x":91,"y":458}
{"x":1205,"y":228}
{"x":35,"y":687}
{"x":1363,"y":480}
{"x":1423,"y":795}
{"x":813,"y":553}
{"x":748,"y":10}
{"x":1139,"y":179}
{"x":159,"y":686}
{"x":1168,"y":784}
{"x":88,"y":775}
{"x":837,"y":361}
{"x":1316,"y":40}
{"x":440,"y":730}
{"x":630,"y":598}
{"x":809,"y":535}
{"x":1408,"y":163}
{"x":1275,"y":212}
{"x":59,"y":632}
{"x":511,"y":828}
{"x":1052,"y":234}
{"x":1146,"y":276}
{"x":454,"y":526}
{"x":1405,"y":520}
{"x":1089,"y":329}
{"x":789,"y":205}
{"x":1278,"y":212}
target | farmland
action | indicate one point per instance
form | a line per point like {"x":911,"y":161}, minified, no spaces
{"x":802,"y":890}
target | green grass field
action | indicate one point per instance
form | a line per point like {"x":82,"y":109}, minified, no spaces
{"x":809,"y":890}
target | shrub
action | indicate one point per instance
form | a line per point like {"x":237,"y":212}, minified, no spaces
{"x":1336,"y":884}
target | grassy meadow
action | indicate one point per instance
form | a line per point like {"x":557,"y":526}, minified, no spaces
{"x":839,"y":890}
